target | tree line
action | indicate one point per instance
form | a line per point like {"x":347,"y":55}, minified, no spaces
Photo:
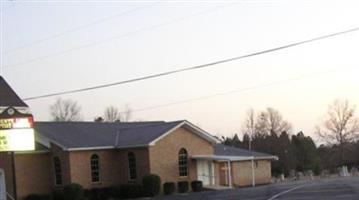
{"x":268,"y":132}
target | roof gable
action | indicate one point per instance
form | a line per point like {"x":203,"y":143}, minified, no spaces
{"x":192,"y":128}
{"x":8,"y":97}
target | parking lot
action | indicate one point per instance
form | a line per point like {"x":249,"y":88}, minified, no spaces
{"x":332,"y":188}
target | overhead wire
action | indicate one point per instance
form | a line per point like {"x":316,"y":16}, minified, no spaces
{"x":80,"y":27}
{"x":91,"y":44}
{"x":240,"y":90}
{"x":207,"y":65}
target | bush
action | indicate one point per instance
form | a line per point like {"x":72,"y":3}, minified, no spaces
{"x":73,"y":191}
{"x":115,"y":192}
{"x":33,"y":197}
{"x":131,"y":191}
{"x":196,"y":186}
{"x":151,"y":185}
{"x":182,"y":186}
{"x":37,"y":197}
{"x":169,"y":188}
{"x":88,"y":194}
{"x":100,"y":193}
{"x":57,"y":195}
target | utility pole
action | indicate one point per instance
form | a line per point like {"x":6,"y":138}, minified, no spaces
{"x":250,"y":137}
{"x":250,"y":127}
{"x":250,"y":143}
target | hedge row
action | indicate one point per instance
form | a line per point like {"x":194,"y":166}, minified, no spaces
{"x":182,"y":187}
{"x":73,"y":192}
{"x":150,"y":187}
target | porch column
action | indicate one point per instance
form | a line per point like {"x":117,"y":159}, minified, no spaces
{"x":229,"y":174}
{"x":253,"y":174}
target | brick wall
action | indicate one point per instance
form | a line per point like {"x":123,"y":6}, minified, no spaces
{"x":113,"y":166}
{"x":65,"y":164}
{"x":33,"y":174}
{"x":242,"y":172}
{"x":164,"y":154}
{"x":80,"y":162}
{"x":142,"y":164}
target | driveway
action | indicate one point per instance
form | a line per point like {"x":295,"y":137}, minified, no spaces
{"x":328,"y":189}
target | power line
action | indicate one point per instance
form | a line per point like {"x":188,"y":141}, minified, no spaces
{"x":147,"y":28}
{"x":241,"y":90}
{"x":198,"y":66}
{"x":74,"y":29}
{"x":259,"y":86}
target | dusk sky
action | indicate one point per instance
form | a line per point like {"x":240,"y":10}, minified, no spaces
{"x":55,"y":46}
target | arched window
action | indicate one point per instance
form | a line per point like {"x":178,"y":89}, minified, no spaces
{"x":183,"y":162}
{"x":95,"y":168}
{"x":58,"y":173}
{"x":132,"y":165}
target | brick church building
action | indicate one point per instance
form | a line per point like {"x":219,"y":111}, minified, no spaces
{"x":102,"y":154}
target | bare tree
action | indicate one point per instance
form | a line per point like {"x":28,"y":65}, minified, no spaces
{"x":271,"y":122}
{"x":258,"y":129}
{"x":340,"y":126}
{"x":113,"y":114}
{"x":276,"y":123}
{"x":65,"y":110}
{"x":249,"y":127}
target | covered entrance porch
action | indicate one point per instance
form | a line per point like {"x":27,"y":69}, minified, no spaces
{"x":217,"y":172}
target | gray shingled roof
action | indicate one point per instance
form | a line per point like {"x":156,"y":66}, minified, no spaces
{"x":103,"y":134}
{"x":8,"y":97}
{"x":224,"y":150}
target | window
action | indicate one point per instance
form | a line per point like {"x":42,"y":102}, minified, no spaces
{"x":132,"y":165}
{"x":95,"y":168}
{"x":183,"y":162}
{"x":57,"y":168}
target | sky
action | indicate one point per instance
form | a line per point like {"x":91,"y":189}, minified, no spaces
{"x":55,"y":46}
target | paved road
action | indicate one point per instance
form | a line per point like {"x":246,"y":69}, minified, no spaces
{"x":326,"y":189}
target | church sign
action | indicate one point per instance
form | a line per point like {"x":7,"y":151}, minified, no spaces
{"x":16,"y":131}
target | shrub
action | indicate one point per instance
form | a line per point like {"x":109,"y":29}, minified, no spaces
{"x":57,"y":195}
{"x":131,"y":191}
{"x":100,"y":193}
{"x":73,"y":191}
{"x":196,"y":186}
{"x":88,"y":194}
{"x":169,"y":188}
{"x":115,"y":192}
{"x":182,"y":186}
{"x":36,"y":197}
{"x":151,"y":185}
